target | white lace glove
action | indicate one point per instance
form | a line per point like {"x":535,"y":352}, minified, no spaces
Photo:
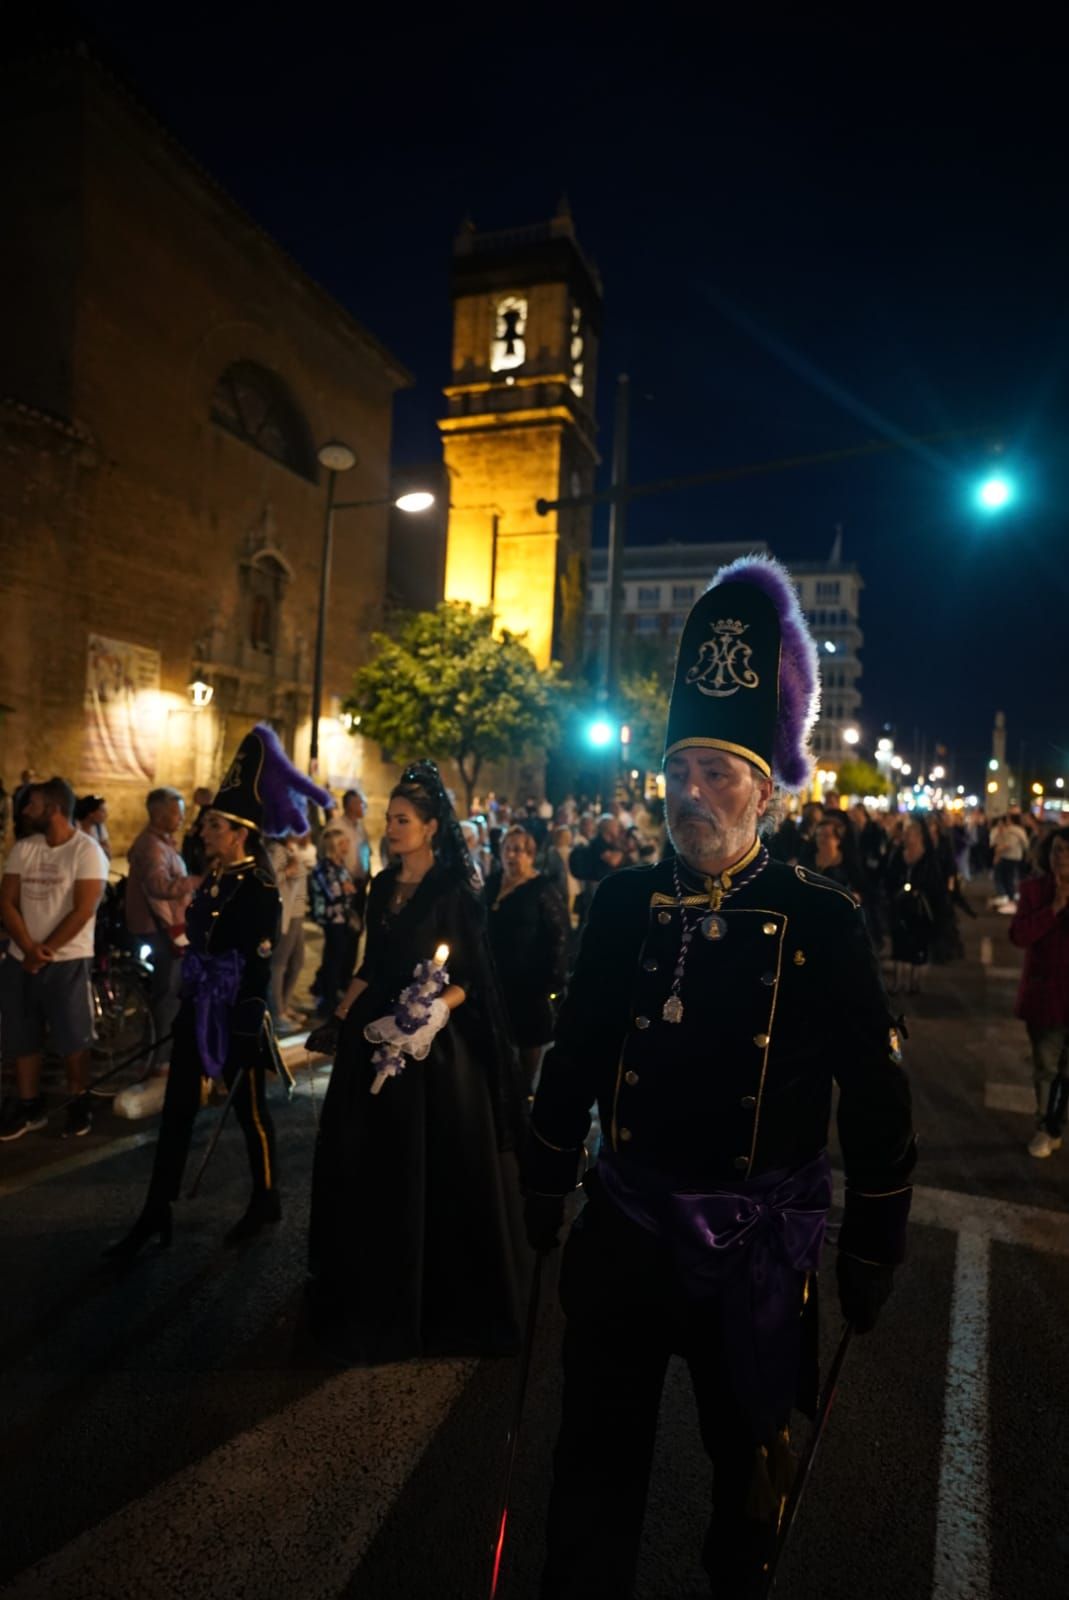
{"x":416,"y":1045}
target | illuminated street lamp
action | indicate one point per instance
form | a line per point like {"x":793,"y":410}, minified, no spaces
{"x":896,"y":762}
{"x":338,"y":457}
{"x":851,"y":735}
{"x":600,"y":733}
{"x":1037,"y":789}
{"x":906,"y":769}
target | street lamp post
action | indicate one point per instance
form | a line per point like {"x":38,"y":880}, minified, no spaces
{"x":337,"y":457}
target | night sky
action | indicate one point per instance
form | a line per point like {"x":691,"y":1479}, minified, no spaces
{"x":810,"y":236}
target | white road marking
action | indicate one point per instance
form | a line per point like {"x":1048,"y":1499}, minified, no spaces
{"x":963,"y":1509}
{"x":1010,"y":1097}
{"x":287,"y":1509}
{"x":1031,"y":1227}
{"x":86,"y":1158}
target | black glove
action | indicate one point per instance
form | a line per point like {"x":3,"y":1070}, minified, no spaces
{"x":863,"y":1288}
{"x":543,"y":1218}
{"x":323,"y":1040}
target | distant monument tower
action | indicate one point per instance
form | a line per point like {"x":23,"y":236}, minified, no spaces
{"x":997,"y":801}
{"x":520,"y":426}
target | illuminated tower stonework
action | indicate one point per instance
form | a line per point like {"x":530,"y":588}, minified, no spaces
{"x":519,"y":427}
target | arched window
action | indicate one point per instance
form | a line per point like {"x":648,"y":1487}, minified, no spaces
{"x":255,"y":405}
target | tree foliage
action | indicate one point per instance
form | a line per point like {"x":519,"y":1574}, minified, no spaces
{"x":860,"y":777}
{"x":441,"y":685}
{"x":643,"y":702}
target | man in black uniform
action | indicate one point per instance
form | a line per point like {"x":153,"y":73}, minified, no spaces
{"x":715,"y":998}
{"x":223,"y":1029}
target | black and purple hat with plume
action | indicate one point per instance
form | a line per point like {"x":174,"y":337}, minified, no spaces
{"x":264,"y":790}
{"x":747,"y":677}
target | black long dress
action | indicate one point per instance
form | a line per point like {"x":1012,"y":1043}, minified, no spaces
{"x":529,"y":933}
{"x":416,"y":1243}
{"x":916,"y":898}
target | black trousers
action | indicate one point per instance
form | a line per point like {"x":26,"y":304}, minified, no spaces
{"x":626,"y":1318}
{"x":182,"y":1102}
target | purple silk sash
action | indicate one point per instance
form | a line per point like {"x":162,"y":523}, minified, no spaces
{"x":748,"y":1249}
{"x":212,"y":982}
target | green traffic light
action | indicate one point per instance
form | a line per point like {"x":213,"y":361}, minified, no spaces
{"x":995,"y":493}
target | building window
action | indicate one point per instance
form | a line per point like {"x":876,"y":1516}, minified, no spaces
{"x":575,"y":351}
{"x":649,"y":596}
{"x":827,"y":589}
{"x":682,"y":594}
{"x":508,"y":348}
{"x":648,"y":623}
{"x":255,"y":405}
{"x":597,"y":598}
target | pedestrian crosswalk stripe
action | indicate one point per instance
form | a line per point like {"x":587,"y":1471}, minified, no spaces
{"x":962,"y":1566}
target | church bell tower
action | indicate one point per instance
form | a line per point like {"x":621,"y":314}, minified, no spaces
{"x":519,"y":427}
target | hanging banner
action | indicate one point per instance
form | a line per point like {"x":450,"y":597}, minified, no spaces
{"x":122,"y":711}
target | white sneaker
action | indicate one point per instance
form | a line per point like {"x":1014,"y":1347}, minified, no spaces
{"x":1041,"y":1144}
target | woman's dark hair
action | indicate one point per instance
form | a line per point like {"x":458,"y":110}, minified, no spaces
{"x":1048,"y":845}
{"x":421,"y":785}
{"x":87,"y":805}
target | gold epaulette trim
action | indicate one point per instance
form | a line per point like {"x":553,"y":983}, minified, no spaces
{"x":802,"y":874}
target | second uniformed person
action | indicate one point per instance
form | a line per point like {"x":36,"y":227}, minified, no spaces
{"x":223,"y":1029}
{"x":716,"y":998}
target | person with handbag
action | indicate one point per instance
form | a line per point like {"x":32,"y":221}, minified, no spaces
{"x":917,"y":900}
{"x":415,"y":1238}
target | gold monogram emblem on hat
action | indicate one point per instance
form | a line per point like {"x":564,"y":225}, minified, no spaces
{"x":233,"y":777}
{"x":723,"y":664}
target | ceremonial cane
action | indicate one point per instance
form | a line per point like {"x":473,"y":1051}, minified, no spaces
{"x":191,"y":1192}
{"x":517,"y":1415}
{"x":824,"y":1406}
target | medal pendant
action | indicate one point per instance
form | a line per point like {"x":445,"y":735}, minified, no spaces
{"x":714,"y":927}
{"x":214,"y":891}
{"x":673,"y":1009}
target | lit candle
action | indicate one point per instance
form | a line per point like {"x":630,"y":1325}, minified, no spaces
{"x":441,"y":955}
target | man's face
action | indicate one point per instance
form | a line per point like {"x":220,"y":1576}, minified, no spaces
{"x":37,"y":813}
{"x":167,"y":815}
{"x":713,"y":801}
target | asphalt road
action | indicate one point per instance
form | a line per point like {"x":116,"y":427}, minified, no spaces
{"x":166,"y":1433}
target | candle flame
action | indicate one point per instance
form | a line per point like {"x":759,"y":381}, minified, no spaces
{"x":441,"y":955}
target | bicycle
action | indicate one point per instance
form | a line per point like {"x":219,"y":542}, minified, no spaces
{"x":121,"y":986}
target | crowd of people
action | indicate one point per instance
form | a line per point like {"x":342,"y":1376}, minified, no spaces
{"x":476,"y":944}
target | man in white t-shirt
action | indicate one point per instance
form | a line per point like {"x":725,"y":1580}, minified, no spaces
{"x":52,"y":884}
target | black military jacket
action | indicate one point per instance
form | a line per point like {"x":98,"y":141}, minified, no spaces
{"x":787,"y":1000}
{"x":239,"y":909}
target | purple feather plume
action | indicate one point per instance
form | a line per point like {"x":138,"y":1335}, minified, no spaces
{"x":283,"y":788}
{"x":799,"y":672}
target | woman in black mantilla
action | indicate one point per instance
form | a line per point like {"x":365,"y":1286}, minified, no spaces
{"x":529,"y":933}
{"x":415,"y":1244}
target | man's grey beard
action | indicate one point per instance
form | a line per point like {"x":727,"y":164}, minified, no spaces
{"x":705,"y":840}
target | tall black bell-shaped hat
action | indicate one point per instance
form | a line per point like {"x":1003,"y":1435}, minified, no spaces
{"x":747,"y":678}
{"x":264,"y":790}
